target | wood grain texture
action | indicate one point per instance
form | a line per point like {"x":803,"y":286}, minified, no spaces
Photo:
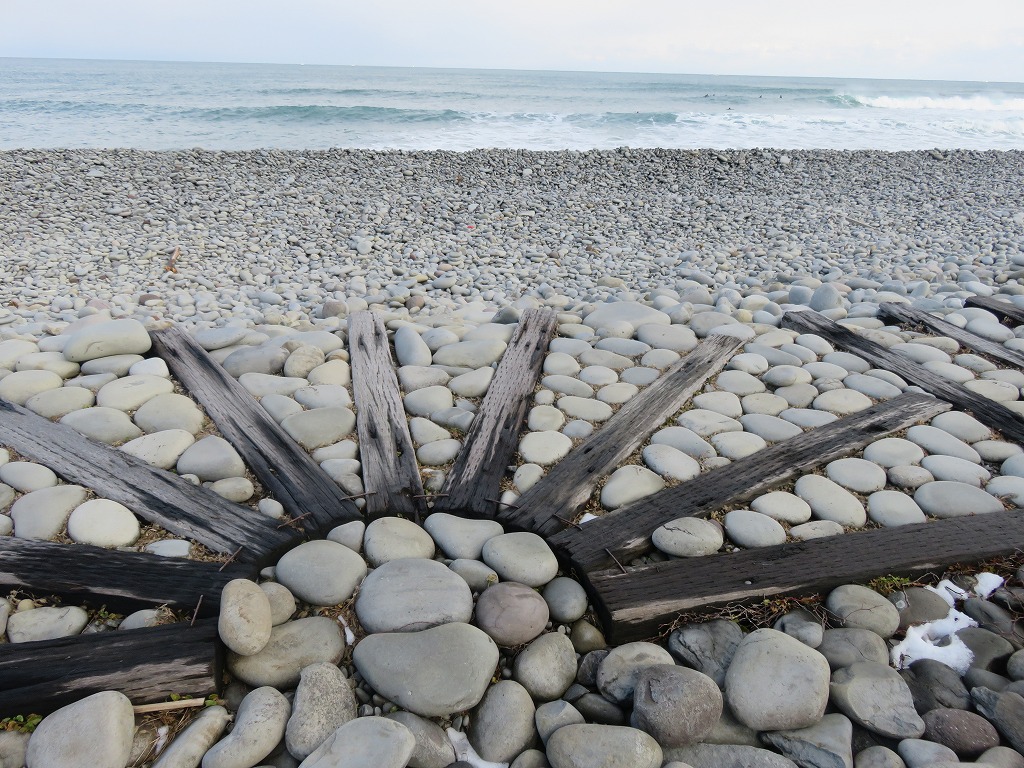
{"x":121,"y":581}
{"x":281,"y":464}
{"x":1001,"y":309}
{"x":146,"y":665}
{"x":474,"y":482}
{"x":626,"y":532}
{"x":987,"y":411}
{"x":391,"y":476}
{"x":569,"y":484}
{"x":642,"y":602}
{"x":900,"y":313}
{"x":153,"y":494}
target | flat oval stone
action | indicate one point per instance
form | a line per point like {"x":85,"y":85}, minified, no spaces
{"x":670,"y":462}
{"x":725,"y":403}
{"x":96,"y":731}
{"x":47,"y":623}
{"x":769,"y":428}
{"x":909,"y":476}
{"x":391,"y":538}
{"x":259,"y":727}
{"x":737,"y":445}
{"x":323,"y":702}
{"x":747,"y":528}
{"x":935,"y":440}
{"x":689,"y":537}
{"x":830,"y":501}
{"x":945,"y":498}
{"x":211,"y":458}
{"x":996,"y":451}
{"x":676,"y":705}
{"x":567,"y":385}
{"x":628,"y":484}
{"x":293,"y":646}
{"x":856,"y":474}
{"x":561,"y":364}
{"x":423,"y":402}
{"x":602,"y":746}
{"x":132,"y":392}
{"x":321,"y":572}
{"x":432,"y":673}
{"x":115,"y":337}
{"x":566,"y":599}
{"x":585,"y":408}
{"x":511,"y":613}
{"x":816,"y":529}
{"x":546,"y":667}
{"x":545,"y":417}
{"x":707,"y":423}
{"x":438,"y":453}
{"x":169,"y":411}
{"x":617,"y":394}
{"x":42,"y":514}
{"x":892,"y":508}
{"x":862,"y":608}
{"x":323,"y":396}
{"x":412,"y":594}
{"x":521,"y":557}
{"x":245,"y":618}
{"x":685,"y":440}
{"x":799,"y":396}
{"x":470,"y":354}
{"x":877,"y":698}
{"x":365,"y":742}
{"x":842,"y":402}
{"x":55,"y":403}
{"x":619,"y":670}
{"x":105,"y":425}
{"x":103,"y":523}
{"x":783,"y":506}
{"x":786,"y":376}
{"x":893,"y":452}
{"x":957,"y":470}
{"x":160,"y":449}
{"x":320,"y":427}
{"x":545,"y":447}
{"x":460,"y":537}
{"x":21,"y":386}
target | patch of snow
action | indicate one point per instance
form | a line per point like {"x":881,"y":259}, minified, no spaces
{"x":161,"y":739}
{"x":948,"y":591}
{"x":464,"y":751}
{"x":987,"y":584}
{"x":936,"y":640}
{"x":587,"y":517}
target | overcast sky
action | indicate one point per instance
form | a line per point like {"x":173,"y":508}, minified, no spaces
{"x":930,"y":39}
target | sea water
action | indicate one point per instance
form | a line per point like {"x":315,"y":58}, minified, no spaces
{"x":51,"y":103}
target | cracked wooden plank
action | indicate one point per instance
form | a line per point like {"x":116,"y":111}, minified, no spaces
{"x":644,"y":602}
{"x":625,"y":534}
{"x":474,"y":482}
{"x":391,"y":476}
{"x":121,"y":581}
{"x":282,"y":465}
{"x":987,"y":411}
{"x":146,"y":665}
{"x":569,"y":484}
{"x":901,"y":313}
{"x":1004,"y":310}
{"x":154,"y":495}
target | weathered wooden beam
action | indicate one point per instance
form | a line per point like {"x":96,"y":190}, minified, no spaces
{"x":1001,"y":309}
{"x":146,"y":665}
{"x":569,"y":483}
{"x":121,"y":581}
{"x":626,"y":533}
{"x":987,"y":411}
{"x":391,"y":476}
{"x":474,"y":482}
{"x":153,"y":494}
{"x":643,"y":602}
{"x":901,"y":313}
{"x":281,"y":464}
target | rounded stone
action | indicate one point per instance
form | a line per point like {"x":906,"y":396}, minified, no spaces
{"x":27,"y":476}
{"x":875,"y":697}
{"x":282,"y":602}
{"x":842,"y":402}
{"x":411,"y":594}
{"x":96,"y":731}
{"x":438,"y":453}
{"x":602,"y":746}
{"x":160,"y":449}
{"x":862,"y":608}
{"x":945,"y":498}
{"x":685,"y":440}
{"x":21,"y":386}
{"x":545,"y":418}
{"x":908,"y":476}
{"x":892,"y":508}
{"x":431,"y":673}
{"x":211,"y":458}
{"x":103,"y":523}
{"x":42,"y":514}
{"x":782,"y":506}
{"x":114,"y":337}
{"x":546,"y":667}
{"x":676,"y":705}
{"x":502,"y":724}
{"x":689,"y":537}
{"x":935,"y":440}
{"x":830,"y":501}
{"x":245,"y":619}
{"x":747,"y":528}
{"x":512,"y":614}
{"x":856,"y":475}
{"x":319,"y":427}
{"x":321,"y":572}
{"x":132,"y":392}
{"x":737,"y":445}
{"x":460,"y":537}
{"x":566,"y":599}
{"x":628,"y":484}
{"x":966,"y":733}
{"x":259,"y":726}
{"x":169,"y":411}
{"x":618,"y":672}
{"x":293,"y":646}
{"x":962,"y":426}
{"x":521,"y":557}
{"x":57,"y":403}
{"x":775,"y":682}
{"x":816,"y":529}
{"x":545,"y":447}
{"x":47,"y":623}
{"x":323,"y":702}
{"x":392,"y":538}
{"x":956,"y":470}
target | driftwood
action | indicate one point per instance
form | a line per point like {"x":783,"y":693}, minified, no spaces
{"x":474,"y":483}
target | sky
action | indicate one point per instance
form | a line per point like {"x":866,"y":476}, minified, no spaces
{"x":913,"y":39}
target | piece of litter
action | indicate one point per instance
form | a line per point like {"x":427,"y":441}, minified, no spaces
{"x":161,"y":739}
{"x":350,"y":637}
{"x":587,"y":517}
{"x":464,"y":751}
{"x":987,"y":584}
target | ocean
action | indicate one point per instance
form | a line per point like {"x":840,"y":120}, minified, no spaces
{"x":65,"y":103}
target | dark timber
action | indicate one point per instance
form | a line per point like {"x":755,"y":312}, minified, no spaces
{"x":987,"y":411}
{"x":146,"y":665}
{"x":626,"y":533}
{"x":474,"y":482}
{"x":643,"y":601}
{"x":901,"y":313}
{"x":570,"y":482}
{"x":153,"y":494}
{"x":281,"y":464}
{"x":1001,"y":309}
{"x":391,"y":476}
{"x":121,"y":581}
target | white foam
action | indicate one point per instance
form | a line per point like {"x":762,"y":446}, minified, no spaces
{"x":959,"y":103}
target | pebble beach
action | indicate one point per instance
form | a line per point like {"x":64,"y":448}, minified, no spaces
{"x":456,"y":642}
